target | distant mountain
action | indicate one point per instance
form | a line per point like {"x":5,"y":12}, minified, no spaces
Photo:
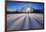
{"x":25,"y":10}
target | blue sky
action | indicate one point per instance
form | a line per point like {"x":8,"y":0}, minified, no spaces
{"x":12,"y":6}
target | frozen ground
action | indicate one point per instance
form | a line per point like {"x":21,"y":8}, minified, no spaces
{"x":24,"y":21}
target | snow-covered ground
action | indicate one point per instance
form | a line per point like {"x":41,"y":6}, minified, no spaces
{"x":24,"y":21}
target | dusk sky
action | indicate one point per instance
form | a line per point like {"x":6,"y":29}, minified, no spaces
{"x":12,"y":6}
